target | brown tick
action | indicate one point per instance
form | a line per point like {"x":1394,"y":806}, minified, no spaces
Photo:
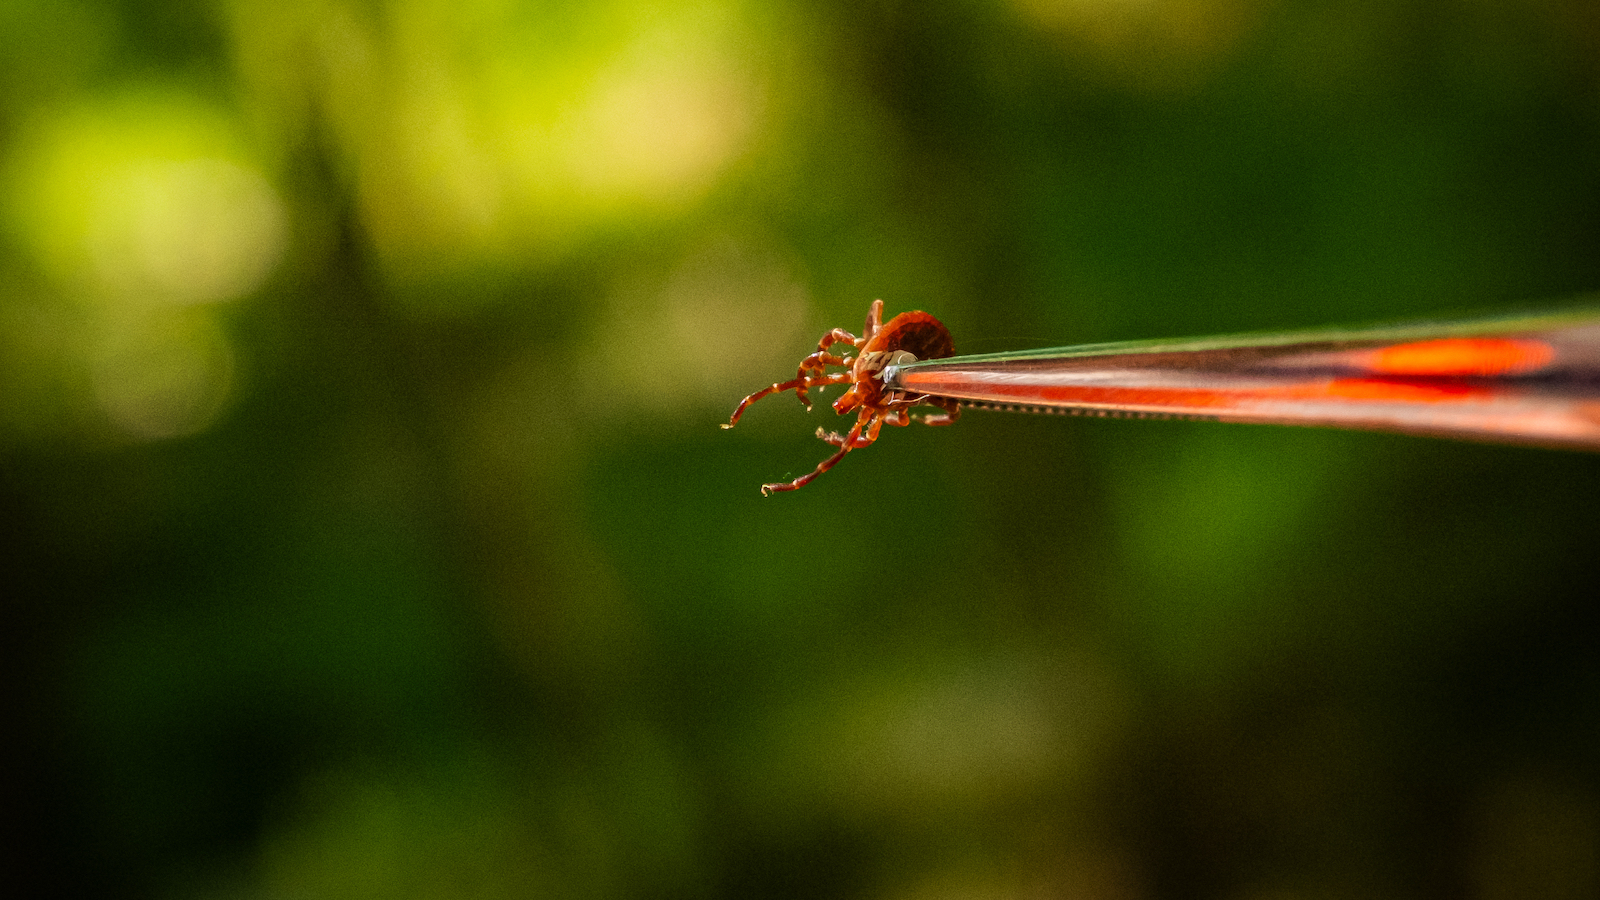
{"x":906,"y":338}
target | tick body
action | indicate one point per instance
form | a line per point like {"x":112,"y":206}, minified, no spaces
{"x":906,"y":338}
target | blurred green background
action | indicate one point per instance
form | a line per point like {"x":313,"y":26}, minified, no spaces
{"x":369,"y":532}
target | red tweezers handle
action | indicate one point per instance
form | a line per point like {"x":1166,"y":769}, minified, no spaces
{"x":1530,"y":379}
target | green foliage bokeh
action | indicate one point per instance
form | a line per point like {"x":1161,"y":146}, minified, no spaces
{"x":371,"y":534}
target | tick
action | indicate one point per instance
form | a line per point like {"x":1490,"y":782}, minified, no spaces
{"x":906,"y":338}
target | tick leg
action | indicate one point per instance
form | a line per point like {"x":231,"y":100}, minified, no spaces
{"x":870,"y":420}
{"x":900,"y":417}
{"x":822,"y":358}
{"x":874,"y":319}
{"x":874,"y":422}
{"x":846,"y":443}
{"x":838,"y":440}
{"x":795,"y":384}
{"x":814,"y":366}
{"x":951,"y":413}
{"x":832,"y":437}
{"x":839,"y":336}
